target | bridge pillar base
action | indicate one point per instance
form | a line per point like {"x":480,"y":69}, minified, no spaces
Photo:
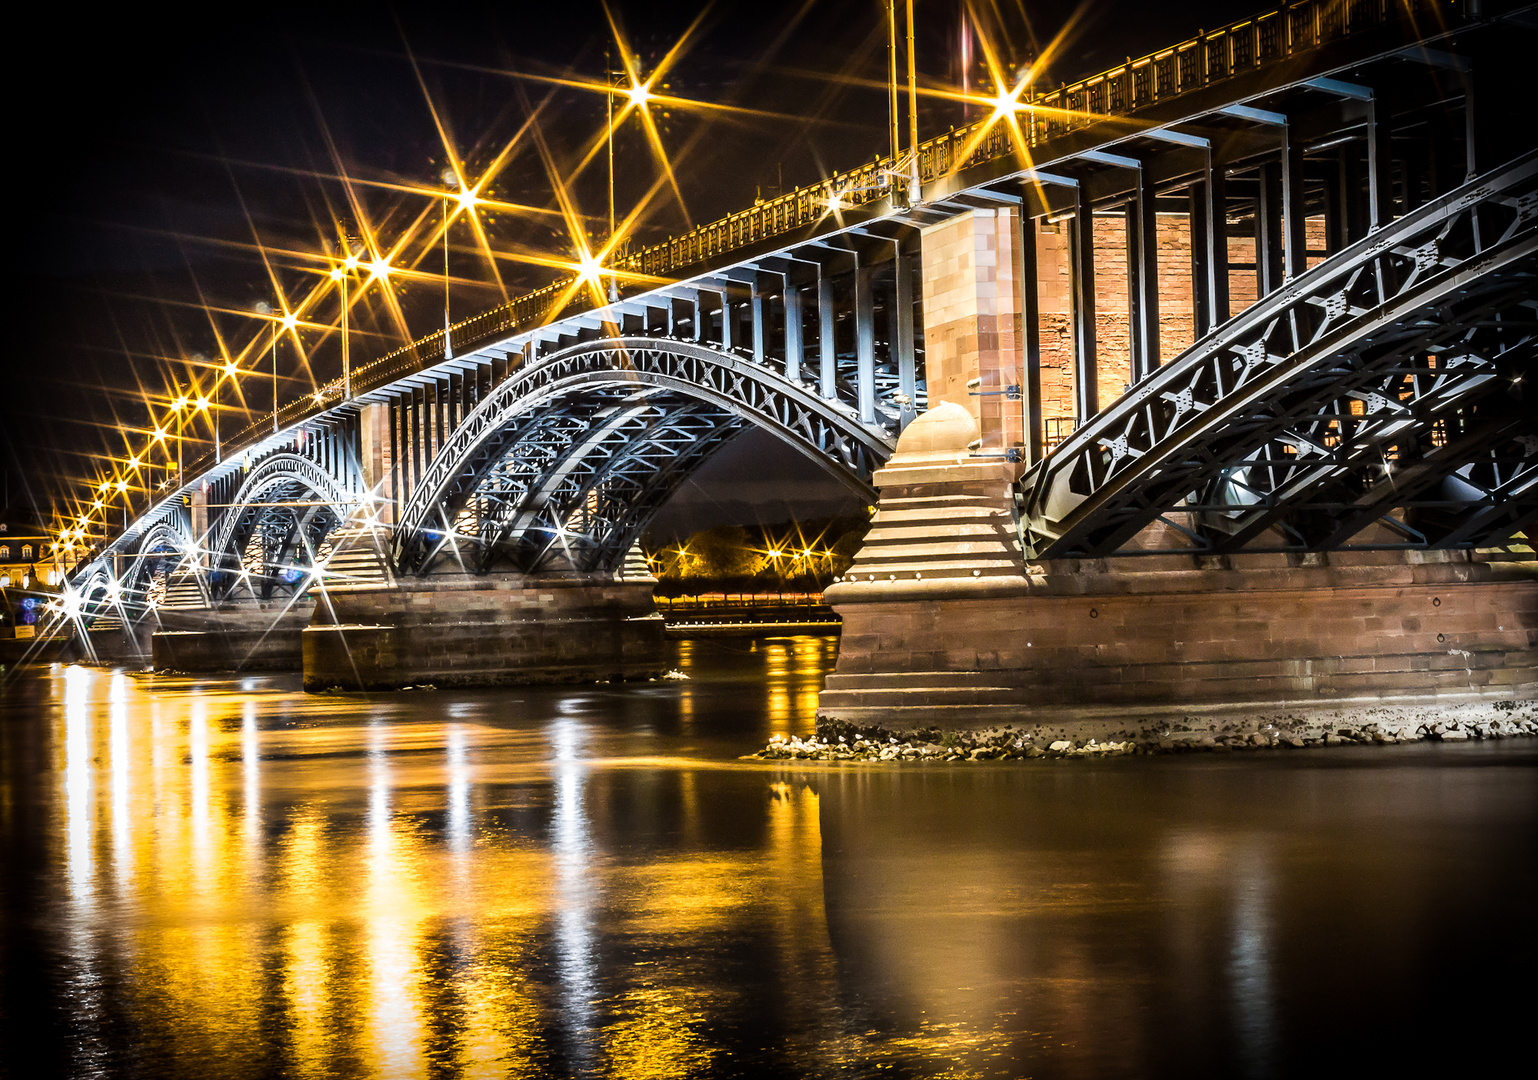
{"x":469,"y":631}
{"x":944,"y":627}
{"x":245,"y":637}
{"x":1111,"y":642}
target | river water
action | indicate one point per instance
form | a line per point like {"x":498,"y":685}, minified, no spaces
{"x":230,"y":878}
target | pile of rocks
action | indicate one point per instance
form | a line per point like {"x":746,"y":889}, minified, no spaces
{"x":1373,"y":725}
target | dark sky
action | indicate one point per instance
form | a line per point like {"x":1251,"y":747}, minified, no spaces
{"x":148,"y":147}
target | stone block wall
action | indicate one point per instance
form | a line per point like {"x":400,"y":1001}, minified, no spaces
{"x":241,"y":637}
{"x":484,"y":631}
{"x":972,"y":320}
{"x":1071,"y":641}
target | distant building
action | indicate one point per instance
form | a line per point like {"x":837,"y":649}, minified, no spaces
{"x":29,"y":573}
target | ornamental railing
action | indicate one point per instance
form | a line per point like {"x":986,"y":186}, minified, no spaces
{"x":1205,"y":60}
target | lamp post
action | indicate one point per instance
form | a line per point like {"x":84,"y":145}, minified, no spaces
{"x":264,"y":309}
{"x":200,"y":359}
{"x":450,"y":180}
{"x":178,"y":406}
{"x":340,"y":275}
{"x":230,"y":371}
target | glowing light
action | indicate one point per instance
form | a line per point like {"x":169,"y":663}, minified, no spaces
{"x":590,"y":268}
{"x":202,"y":404}
{"x":378,"y":269}
{"x":180,"y":403}
{"x":289,"y":321}
{"x":160,"y":434}
{"x":336,"y":274}
{"x":351,"y":262}
{"x":230,"y":369}
{"x":1005,"y":104}
{"x":639,"y":95}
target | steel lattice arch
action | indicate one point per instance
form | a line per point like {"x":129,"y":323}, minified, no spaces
{"x":278,"y":524}
{"x":566,"y":461}
{"x":1384,"y":386}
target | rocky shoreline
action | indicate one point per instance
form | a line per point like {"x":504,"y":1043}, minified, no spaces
{"x":1372,"y":725}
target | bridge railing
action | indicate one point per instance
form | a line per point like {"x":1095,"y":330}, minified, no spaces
{"x":1202,"y":61}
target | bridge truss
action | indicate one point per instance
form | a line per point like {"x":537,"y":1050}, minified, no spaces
{"x":1387,"y":386}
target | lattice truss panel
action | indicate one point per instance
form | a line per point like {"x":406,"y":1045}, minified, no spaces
{"x":163,"y":550}
{"x":277,"y":529}
{"x":1390,"y":385}
{"x":565,"y":462}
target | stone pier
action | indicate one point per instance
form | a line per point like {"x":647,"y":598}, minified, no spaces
{"x":946,"y":626}
{"x":241,"y":637}
{"x":467,"y":630}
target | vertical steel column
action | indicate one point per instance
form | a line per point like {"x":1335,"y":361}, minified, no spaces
{"x":865,"y":343}
{"x":1030,"y":315}
{"x":1148,"y":273}
{"x":699,"y":317}
{"x":1474,"y":154}
{"x":907,"y":364}
{"x":1132,"y":228}
{"x":1215,"y":214}
{"x":826,"y":351}
{"x":1201,"y":300}
{"x":1268,"y":229}
{"x":394,"y":414}
{"x":670,"y":306}
{"x":416,"y":436}
{"x":1295,"y":231}
{"x":757,"y":307}
{"x":441,"y":396}
{"x":793,"y":344}
{"x":1380,"y":170}
{"x":1334,"y":208}
{"x":726,"y":321}
{"x":1081,"y":263}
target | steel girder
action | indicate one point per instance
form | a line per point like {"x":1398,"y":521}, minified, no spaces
{"x":569,"y":457}
{"x":1385,"y":385}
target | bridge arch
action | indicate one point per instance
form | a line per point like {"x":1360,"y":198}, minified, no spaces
{"x":283,"y":511}
{"x":1385,"y":386}
{"x":567,"y":459}
{"x":161,"y":549}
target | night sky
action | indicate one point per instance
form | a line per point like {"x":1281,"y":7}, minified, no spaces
{"x":151,"y":152}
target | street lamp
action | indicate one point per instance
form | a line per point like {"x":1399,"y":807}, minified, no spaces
{"x":340,"y":274}
{"x":466,"y":200}
{"x":264,"y":309}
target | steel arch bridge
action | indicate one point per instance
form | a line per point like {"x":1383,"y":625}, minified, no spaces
{"x":1378,"y":391}
{"x":568,"y":460}
{"x":1386,"y":386}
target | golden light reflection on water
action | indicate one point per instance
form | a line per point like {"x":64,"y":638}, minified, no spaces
{"x":533,"y":883}
{"x":337,"y":881}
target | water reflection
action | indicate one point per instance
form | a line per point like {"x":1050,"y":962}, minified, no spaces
{"x":245,"y":881}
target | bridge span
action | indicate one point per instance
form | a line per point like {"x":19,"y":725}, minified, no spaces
{"x":1201,"y":380}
